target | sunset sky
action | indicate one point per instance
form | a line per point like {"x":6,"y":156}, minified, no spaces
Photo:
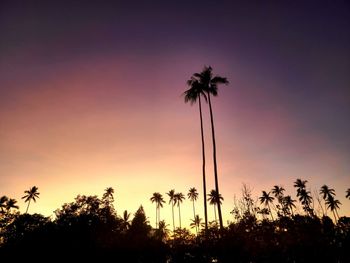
{"x":90,"y":97}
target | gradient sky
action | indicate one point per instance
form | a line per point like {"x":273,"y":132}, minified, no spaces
{"x":90,"y":97}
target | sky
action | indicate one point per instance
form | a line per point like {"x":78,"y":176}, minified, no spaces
{"x":91,"y":97}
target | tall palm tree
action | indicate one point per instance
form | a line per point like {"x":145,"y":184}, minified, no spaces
{"x":215,"y":199}
{"x":179,"y":197}
{"x":289,"y":203}
{"x":158,"y":199}
{"x":266,"y":199}
{"x":193,"y":196}
{"x":31,"y":194}
{"x":195,"y":92}
{"x":3,"y":203}
{"x":348,"y":193}
{"x":172,"y":201}
{"x":333,"y":205}
{"x":210,"y":85}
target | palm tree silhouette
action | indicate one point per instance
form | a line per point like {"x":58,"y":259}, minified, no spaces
{"x":193,"y":195}
{"x":348,"y":193}
{"x":191,"y":95}
{"x":289,"y":203}
{"x":333,"y":205}
{"x":179,"y":197}
{"x":108,"y":194}
{"x":196,"y":222}
{"x":31,"y":194}
{"x":304,"y":196}
{"x":215,"y":199}
{"x":277,"y":190}
{"x":172,"y":201}
{"x":125,"y":223}
{"x":266,"y":199}
{"x":326,"y":192}
{"x":3,"y":203}
{"x":158,"y":199}
{"x":210,"y":85}
{"x":11,"y":203}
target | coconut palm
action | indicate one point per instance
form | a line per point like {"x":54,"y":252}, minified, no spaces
{"x":333,"y":205}
{"x":162,"y":232}
{"x":172,"y":201}
{"x":158,"y":199}
{"x":3,"y":203}
{"x":125,"y":221}
{"x":348,"y":193}
{"x":193,"y":196}
{"x":108,"y":194}
{"x":266,"y":199}
{"x":196,"y":222}
{"x":215,"y":199}
{"x":304,"y":196}
{"x":179,"y":197}
{"x":11,"y":203}
{"x":326,"y":192}
{"x":191,"y":95}
{"x":289,"y":203}
{"x":31,"y":194}
{"x":210,"y":85}
{"x":277,"y":191}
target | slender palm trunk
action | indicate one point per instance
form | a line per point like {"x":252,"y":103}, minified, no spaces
{"x":336,"y":211}
{"x":28,"y":206}
{"x":214,"y":158}
{"x":335,"y":217}
{"x":172,"y":210}
{"x":179,"y":216}
{"x":216,"y":220}
{"x":203,"y":167}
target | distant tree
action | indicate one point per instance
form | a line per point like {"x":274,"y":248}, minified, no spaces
{"x":196,"y":222}
{"x":172,"y":201}
{"x":162,"y":233}
{"x":289,"y":203}
{"x":140,"y":227}
{"x":158,"y":199}
{"x":266,"y":199}
{"x":125,"y":223}
{"x":11,"y":203}
{"x":193,"y":195}
{"x":209,"y":84}
{"x":108,"y":195}
{"x":195,"y":92}
{"x":215,"y":199}
{"x":3,"y":203}
{"x":326,"y":192}
{"x":31,"y":194}
{"x":278,"y":192}
{"x":348,"y":193}
{"x":333,"y":205}
{"x":179,"y":197}
{"x":304,"y":196}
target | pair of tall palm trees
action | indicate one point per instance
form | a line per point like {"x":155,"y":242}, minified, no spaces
{"x":203,"y":85}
